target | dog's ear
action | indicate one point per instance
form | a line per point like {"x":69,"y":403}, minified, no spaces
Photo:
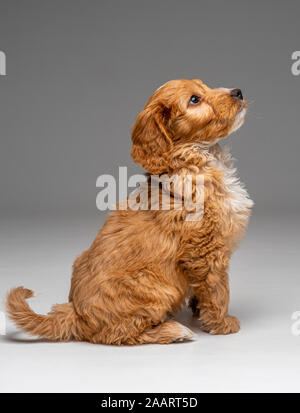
{"x":151,"y":139}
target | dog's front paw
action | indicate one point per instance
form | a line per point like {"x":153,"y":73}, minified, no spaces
{"x":229,"y":325}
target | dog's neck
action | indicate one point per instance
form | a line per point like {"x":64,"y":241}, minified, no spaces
{"x":205,"y":146}
{"x":189,"y":156}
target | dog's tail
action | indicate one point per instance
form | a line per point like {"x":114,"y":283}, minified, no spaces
{"x":62,"y":323}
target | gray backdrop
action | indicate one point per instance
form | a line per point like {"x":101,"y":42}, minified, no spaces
{"x":78,"y":72}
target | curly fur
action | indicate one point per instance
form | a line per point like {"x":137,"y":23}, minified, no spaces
{"x":144,"y":263}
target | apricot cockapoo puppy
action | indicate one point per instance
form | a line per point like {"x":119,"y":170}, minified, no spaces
{"x":145,"y":262}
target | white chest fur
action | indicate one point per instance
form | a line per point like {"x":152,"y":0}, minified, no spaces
{"x":237,"y":195}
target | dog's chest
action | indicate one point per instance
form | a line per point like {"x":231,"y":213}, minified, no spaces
{"x":237,"y":204}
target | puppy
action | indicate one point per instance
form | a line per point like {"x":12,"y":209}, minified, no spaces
{"x":144,"y":263}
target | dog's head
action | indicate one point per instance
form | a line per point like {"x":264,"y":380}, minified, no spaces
{"x":184,"y":111}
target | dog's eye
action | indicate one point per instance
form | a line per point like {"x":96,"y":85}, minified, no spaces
{"x":194,"y":100}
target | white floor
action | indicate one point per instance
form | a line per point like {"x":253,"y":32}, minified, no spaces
{"x":265,"y":292}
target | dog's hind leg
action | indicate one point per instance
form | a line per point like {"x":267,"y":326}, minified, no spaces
{"x":165,"y":333}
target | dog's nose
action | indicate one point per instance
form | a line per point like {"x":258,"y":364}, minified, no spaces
{"x":236,"y":93}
